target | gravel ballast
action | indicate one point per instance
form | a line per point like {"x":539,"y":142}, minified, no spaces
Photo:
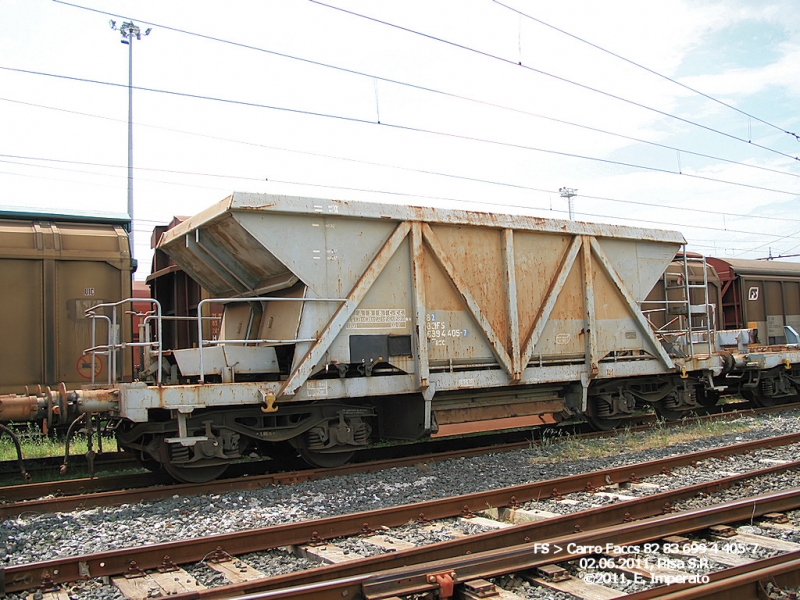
{"x":28,"y":538}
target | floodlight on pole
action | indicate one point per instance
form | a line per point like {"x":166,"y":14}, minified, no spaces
{"x":569,"y":194}
{"x":129,"y":32}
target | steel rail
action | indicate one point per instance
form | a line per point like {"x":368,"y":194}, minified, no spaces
{"x":396,"y":574}
{"x":740,"y":582}
{"x":105,"y":460}
{"x":56,"y":496}
{"x":32,"y":491}
{"x":67,"y":503}
{"x":71,"y":494}
{"x":107,"y":490}
{"x":59,"y":490}
{"x":116,"y":561}
{"x":409,"y":580}
{"x":110,"y":459}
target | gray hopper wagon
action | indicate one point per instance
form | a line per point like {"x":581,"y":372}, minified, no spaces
{"x":346,"y":322}
{"x":352,"y":320}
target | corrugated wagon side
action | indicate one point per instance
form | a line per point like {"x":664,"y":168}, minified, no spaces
{"x":54,"y":267}
{"x":758,"y":294}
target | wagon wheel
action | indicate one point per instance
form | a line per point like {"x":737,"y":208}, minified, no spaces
{"x":197,"y":473}
{"x":323,"y":460}
{"x":707,"y":398}
{"x":598,"y":422}
{"x":757,"y":397}
{"x":148,"y":463}
{"x":142,"y":458}
{"x":667,"y":413}
{"x":177,"y":463}
{"x":326,"y":460}
{"x":601,"y":423}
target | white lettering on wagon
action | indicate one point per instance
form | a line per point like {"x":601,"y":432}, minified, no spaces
{"x":438,"y":332}
{"x":378,"y":318}
{"x":317,"y":389}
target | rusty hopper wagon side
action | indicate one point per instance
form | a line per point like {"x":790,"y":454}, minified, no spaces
{"x":403,"y":320}
{"x":347,"y":321}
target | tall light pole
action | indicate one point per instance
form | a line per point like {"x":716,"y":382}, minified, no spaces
{"x":129,"y":32}
{"x":569,"y":194}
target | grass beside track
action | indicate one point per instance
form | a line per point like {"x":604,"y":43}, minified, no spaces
{"x":558,"y":448}
{"x":37,"y":445}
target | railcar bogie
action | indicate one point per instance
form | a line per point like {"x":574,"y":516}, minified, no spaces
{"x":769,"y":387}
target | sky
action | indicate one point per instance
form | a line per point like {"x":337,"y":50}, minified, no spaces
{"x":673,"y":115}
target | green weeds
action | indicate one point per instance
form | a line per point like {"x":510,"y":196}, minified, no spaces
{"x":557,"y":447}
{"x":37,"y":445}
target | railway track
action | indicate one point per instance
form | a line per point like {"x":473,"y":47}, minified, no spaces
{"x":591,"y":527}
{"x":541,"y":561}
{"x":67,"y":495}
{"x":47,"y":465}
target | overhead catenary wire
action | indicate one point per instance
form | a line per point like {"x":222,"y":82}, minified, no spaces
{"x":553,"y":76}
{"x":648,"y":69}
{"x":9,"y":159}
{"x":12,"y":159}
{"x":400,"y":128}
{"x":293,"y":150}
{"x":788,"y":250}
{"x":113,"y":186}
{"x":662,"y":223}
{"x":778,"y":238}
{"x":518,"y":186}
{"x":423,"y":88}
{"x":755,"y":201}
{"x":378,"y":164}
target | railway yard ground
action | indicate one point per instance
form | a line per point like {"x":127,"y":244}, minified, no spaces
{"x":587,"y":513}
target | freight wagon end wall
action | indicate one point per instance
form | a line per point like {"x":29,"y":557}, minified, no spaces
{"x":52,"y":271}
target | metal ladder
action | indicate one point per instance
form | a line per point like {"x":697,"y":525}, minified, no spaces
{"x":696,"y":321}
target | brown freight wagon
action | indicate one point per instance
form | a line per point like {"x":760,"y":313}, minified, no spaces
{"x":763,"y":293}
{"x":54,"y":267}
{"x":179,"y":296}
{"x":668,"y":292}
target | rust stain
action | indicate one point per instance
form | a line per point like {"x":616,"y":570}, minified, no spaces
{"x":264,"y":206}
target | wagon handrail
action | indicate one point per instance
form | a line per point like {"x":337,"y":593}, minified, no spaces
{"x":91,"y":313}
{"x":201,"y":342}
{"x":220,"y":342}
{"x":151,"y":317}
{"x":184,"y":318}
{"x":691,"y":333}
{"x":94,"y":349}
